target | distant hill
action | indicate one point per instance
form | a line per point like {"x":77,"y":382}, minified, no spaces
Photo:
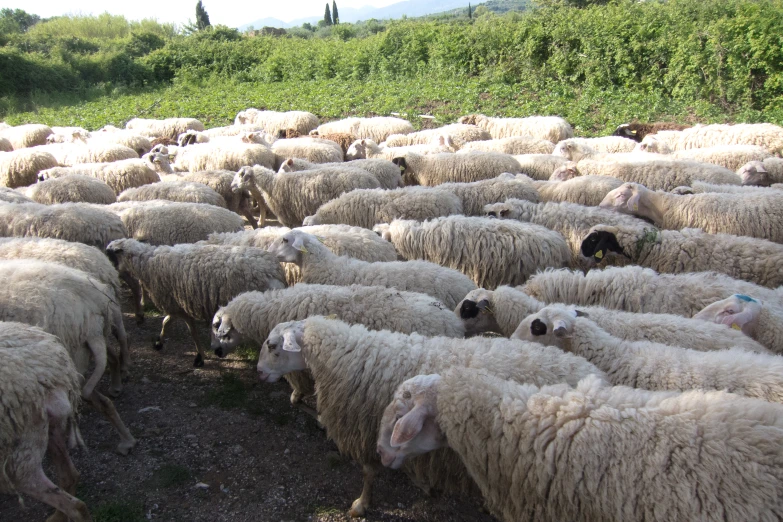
{"x":410,"y":8}
{"x":496,"y":6}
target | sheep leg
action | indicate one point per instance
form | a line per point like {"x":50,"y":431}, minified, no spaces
{"x":122,"y":338}
{"x":262,"y":213}
{"x":67,"y":474}
{"x":44,"y":490}
{"x":115,"y":375}
{"x":360,"y":505}
{"x":97,"y":346}
{"x":135,"y":288}
{"x":159,"y":341}
{"x":198,"y":362}
{"x":245,"y":211}
{"x":104,"y":405}
{"x":296,"y":401}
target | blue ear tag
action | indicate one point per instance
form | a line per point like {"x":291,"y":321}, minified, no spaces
{"x":745,"y":298}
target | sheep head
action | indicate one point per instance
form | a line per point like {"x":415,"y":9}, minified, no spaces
{"x":290,"y":247}
{"x":552,"y":326}
{"x":281,"y":353}
{"x":565,"y":172}
{"x":409,"y":424}
{"x":626,"y":131}
{"x":741,"y":312}
{"x":754,"y":173}
{"x":357,"y":150}
{"x":477,"y":314}
{"x":628,"y":198}
{"x":225,"y":337}
{"x":600,"y":242}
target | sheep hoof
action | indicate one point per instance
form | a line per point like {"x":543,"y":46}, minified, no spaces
{"x":139,"y":319}
{"x":123,"y":448}
{"x":158,"y":346}
{"x":357,"y":509}
{"x":58,"y":516}
{"x":115,"y":392}
{"x":198,"y":362}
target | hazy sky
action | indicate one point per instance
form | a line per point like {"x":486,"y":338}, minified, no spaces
{"x":228,"y":12}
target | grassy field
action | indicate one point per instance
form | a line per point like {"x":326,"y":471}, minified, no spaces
{"x":591,"y":110}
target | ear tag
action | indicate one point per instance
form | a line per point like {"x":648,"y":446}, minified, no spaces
{"x":304,"y":250}
{"x":402,"y":169}
{"x":320,"y":239}
{"x":635,"y":207}
{"x":736,"y":326}
{"x":599,"y":254}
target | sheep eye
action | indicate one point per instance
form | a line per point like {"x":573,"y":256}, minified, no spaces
{"x":406,"y":395}
{"x":271,"y":347}
{"x":285,"y":240}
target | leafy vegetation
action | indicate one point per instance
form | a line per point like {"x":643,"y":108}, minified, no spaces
{"x":597,"y":65}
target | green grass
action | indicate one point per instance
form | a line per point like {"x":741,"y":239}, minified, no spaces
{"x":230,"y":393}
{"x":592,"y":111}
{"x":171,"y":475}
{"x":119,"y":511}
{"x":247,"y":352}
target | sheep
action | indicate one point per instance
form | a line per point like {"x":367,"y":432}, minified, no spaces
{"x":294,"y":196}
{"x":637,"y":130}
{"x":554,"y":452}
{"x":223,"y":156}
{"x":602,"y":145}
{"x":68,"y":135}
{"x":23,"y":136}
{"x":570,"y":220}
{"x":367,"y":207}
{"x":754,"y":215}
{"x":119,"y":175}
{"x":762,"y":173}
{"x":8,"y":195}
{"x":81,"y":312}
{"x":251,"y":316}
{"x":434,"y":169}
{"x":71,"y":189}
{"x":539,"y":166}
{"x":459,"y":134}
{"x":182,"y":191}
{"x":637,"y":289}
{"x":220,"y":182}
{"x":699,"y":187}
{"x":232,"y":130}
{"x":71,"y":154}
{"x":319,"y":265}
{"x":377,"y":129}
{"x":273,"y":122}
{"x":193,"y":281}
{"x":386,"y":172}
{"x":729,"y":156}
{"x":39,"y":397}
{"x":21,"y":167}
{"x":511,"y":145}
{"x":310,"y":149}
{"x":688,"y":250}
{"x":501,"y":310}
{"x":168,"y":128}
{"x":550,"y":128}
{"x":138,"y":143}
{"x":654,"y":366}
{"x":5,"y":145}
{"x":160,"y":222}
{"x":765,"y":135}
{"x":77,"y":222}
{"x":356,"y":371}
{"x":368,"y":149}
{"x":491,"y":252}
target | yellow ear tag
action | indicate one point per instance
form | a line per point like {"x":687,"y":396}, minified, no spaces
{"x":320,"y":239}
{"x":599,"y":254}
{"x":402,"y":169}
{"x":736,"y":326}
{"x":304,"y":250}
{"x":331,"y":317}
{"x":635,"y":208}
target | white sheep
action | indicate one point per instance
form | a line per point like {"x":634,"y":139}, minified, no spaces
{"x":491,"y":252}
{"x":377,"y":128}
{"x":81,"y":312}
{"x":168,"y":128}
{"x":23,"y":136}
{"x":699,"y":187}
{"x":550,"y":128}
{"x":434,"y":169}
{"x":193,"y":281}
{"x":688,"y":250}
{"x":511,"y":145}
{"x":601,"y":145}
{"x":161,"y":222}
{"x":71,"y":189}
{"x":458,"y":133}
{"x":501,"y":310}
{"x":551,"y":453}
{"x":140,"y":144}
{"x":655,"y":366}
{"x":119,"y":175}
{"x":232,"y":130}
{"x":220,"y":182}
{"x":701,"y":136}
{"x":223,"y":156}
{"x":273,"y":122}
{"x":70,"y":154}
{"x":319,"y":265}
{"x":386,"y":172}
{"x":729,"y":156}
{"x":582,"y":190}
{"x":476,"y":195}
{"x":39,"y":396}
{"x":182,"y":191}
{"x":637,"y":289}
{"x":357,"y":370}
{"x":539,"y":166}
{"x":765,"y":172}
{"x":368,"y":207}
{"x":368,"y":149}
{"x":9,"y":195}
{"x":754,"y":215}
{"x":5,"y":145}
{"x":311,"y":149}
{"x":78,"y":222}
{"x":294,"y":196}
{"x":20,"y":168}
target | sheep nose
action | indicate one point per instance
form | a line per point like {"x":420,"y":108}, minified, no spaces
{"x":219,"y":352}
{"x":492,"y":214}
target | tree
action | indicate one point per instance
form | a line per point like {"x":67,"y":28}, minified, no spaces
{"x":16,"y":21}
{"x":470,"y":14}
{"x":327,"y":15}
{"x":335,"y":16}
{"x":202,"y":18}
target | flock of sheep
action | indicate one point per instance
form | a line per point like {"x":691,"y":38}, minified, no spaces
{"x":569,"y":328}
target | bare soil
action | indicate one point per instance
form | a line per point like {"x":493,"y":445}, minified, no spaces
{"x":215,"y":444}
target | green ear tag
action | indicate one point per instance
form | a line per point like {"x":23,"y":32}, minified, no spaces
{"x":736,"y":326}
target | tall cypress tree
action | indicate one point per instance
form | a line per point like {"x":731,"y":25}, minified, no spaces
{"x":470,"y":13}
{"x":202,"y":18}
{"x":335,"y":16}
{"x":327,"y":15}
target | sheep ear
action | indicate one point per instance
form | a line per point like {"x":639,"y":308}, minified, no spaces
{"x":410,"y":425}
{"x":559,"y":328}
{"x":633,"y":202}
{"x":289,"y":342}
{"x":504,"y":212}
{"x":579,"y":313}
{"x":298,"y":244}
{"x":289,"y":161}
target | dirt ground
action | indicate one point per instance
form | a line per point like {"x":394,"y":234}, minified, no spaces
{"x":215,"y":444}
